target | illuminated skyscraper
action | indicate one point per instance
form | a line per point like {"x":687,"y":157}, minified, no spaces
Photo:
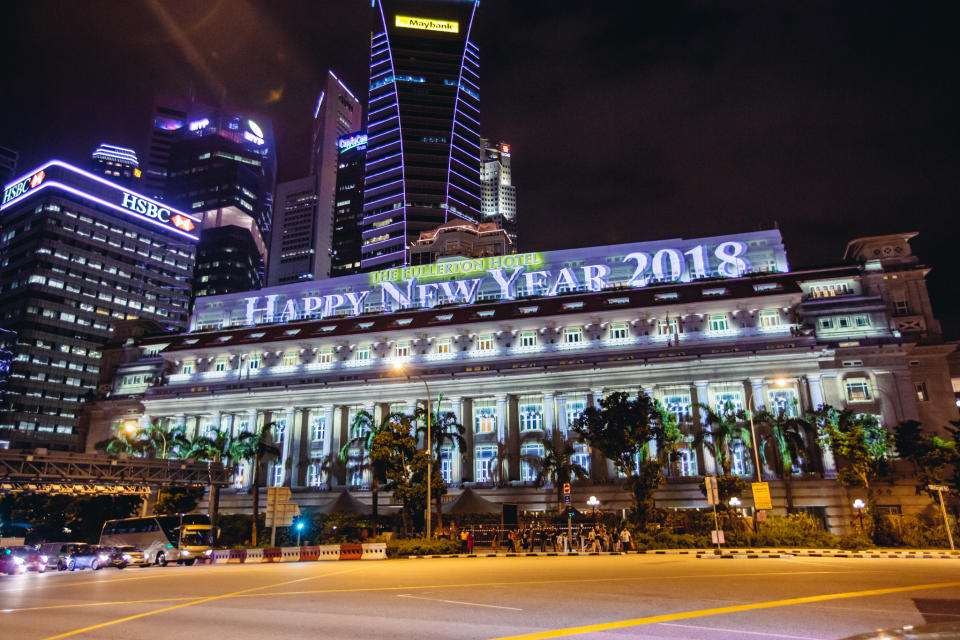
{"x":348,"y":208}
{"x":499,"y":196}
{"x":117,"y":164}
{"x":423,"y":123}
{"x":8,"y":163}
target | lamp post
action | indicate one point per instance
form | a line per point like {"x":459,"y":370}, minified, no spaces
{"x":399,"y":367}
{"x":860,"y":505}
{"x":593,"y":502}
{"x":299,"y":529}
{"x":131,"y":427}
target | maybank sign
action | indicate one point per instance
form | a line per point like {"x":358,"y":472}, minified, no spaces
{"x":93,"y":188}
{"x":428,"y":24}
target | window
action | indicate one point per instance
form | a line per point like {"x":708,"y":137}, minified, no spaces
{"x":485,"y":342}
{"x":783,"y":401}
{"x":667,"y":327}
{"x":581,"y":455}
{"x":314,"y":477}
{"x":363,"y":354}
{"x":483,"y":463}
{"x":921,"y":388}
{"x":530,"y":410}
{"x":843,"y":322}
{"x":220,"y":364}
{"x":318,"y":426}
{"x":187,"y":368}
{"x":443,"y":346}
{"x":277,"y":479}
{"x":829,"y":290}
{"x":291,"y":359}
{"x":619,"y":331}
{"x":728,"y":400}
{"x":861,"y":321}
{"x":528,"y":338}
{"x":484,"y":416}
{"x":446,"y":464}
{"x":858,"y":390}
{"x":688,"y":462}
{"x":325,"y":356}
{"x":769,"y":318}
{"x":679,"y":403}
{"x":528,"y":466}
{"x":253,"y":362}
{"x":738,"y":458}
{"x":572,"y":335}
{"x":900,"y":307}
{"x":402,"y":349}
{"x":718,"y":323}
{"x":574,"y":408}
{"x":825,"y":323}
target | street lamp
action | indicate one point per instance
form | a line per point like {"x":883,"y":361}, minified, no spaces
{"x":399,"y":367}
{"x":593,"y":502}
{"x":299,"y":529}
{"x":132,"y":426}
{"x":735,"y":502}
{"x":860,"y":505}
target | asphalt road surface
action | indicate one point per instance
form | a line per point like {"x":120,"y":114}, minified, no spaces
{"x":589,"y":597}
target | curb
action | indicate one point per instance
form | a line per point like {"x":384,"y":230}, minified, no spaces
{"x":710,"y":554}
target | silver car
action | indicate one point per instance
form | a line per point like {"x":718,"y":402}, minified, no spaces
{"x":133,"y":556}
{"x":58,"y":553}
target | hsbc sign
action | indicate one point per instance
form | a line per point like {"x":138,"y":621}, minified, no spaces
{"x":145,"y":207}
{"x":21,"y":187}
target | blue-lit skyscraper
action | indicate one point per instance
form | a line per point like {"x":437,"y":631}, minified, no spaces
{"x":423,"y":124}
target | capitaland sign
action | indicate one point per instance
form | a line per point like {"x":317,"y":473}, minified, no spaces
{"x":95,"y":189}
{"x":428,"y":24}
{"x":505,"y":278}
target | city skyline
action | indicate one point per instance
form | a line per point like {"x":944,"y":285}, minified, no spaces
{"x":705,"y":119}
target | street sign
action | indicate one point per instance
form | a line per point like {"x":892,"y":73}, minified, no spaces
{"x":938,"y":487}
{"x":280,"y":510}
{"x":278,"y":494}
{"x":566,"y":488}
{"x":713,"y":496}
{"x":717,"y":536}
{"x":761,"y":496}
{"x":566,"y":498}
{"x":761,"y":516}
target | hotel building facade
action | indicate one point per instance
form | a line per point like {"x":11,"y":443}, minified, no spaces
{"x":517,"y":346}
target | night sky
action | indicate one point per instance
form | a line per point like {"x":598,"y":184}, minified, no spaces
{"x":629,"y":121}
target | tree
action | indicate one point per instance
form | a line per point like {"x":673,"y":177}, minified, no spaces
{"x":557,"y":466}
{"x":408,"y":481}
{"x":861,"y":448}
{"x":721,"y":431}
{"x":782,"y":445}
{"x":621,"y":429}
{"x":255,"y":447}
{"x":173,"y":500}
{"x":210,"y":449}
{"x":445,"y":430}
{"x":668,"y":437}
{"x":931,"y":455}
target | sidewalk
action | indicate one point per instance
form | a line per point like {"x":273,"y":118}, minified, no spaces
{"x":726,"y":553}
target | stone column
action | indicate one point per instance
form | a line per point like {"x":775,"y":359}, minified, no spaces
{"x":295,"y":433}
{"x":328,"y":430}
{"x":653,"y":443}
{"x":286,"y":446}
{"x":701,"y":396}
{"x":548,"y":419}
{"x":562,"y":416}
{"x":456,"y":455}
{"x":756,"y":388}
{"x":816,"y":391}
{"x":502,"y":419}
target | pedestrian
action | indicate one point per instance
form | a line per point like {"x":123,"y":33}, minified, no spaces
{"x":470,"y":542}
{"x":513,"y":540}
{"x":625,"y":539}
{"x":592,"y":540}
{"x":553,"y":539}
{"x":463,"y":540}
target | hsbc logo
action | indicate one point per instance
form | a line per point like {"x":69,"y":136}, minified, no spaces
{"x":23,"y":186}
{"x":145,"y":207}
{"x":182,"y":222}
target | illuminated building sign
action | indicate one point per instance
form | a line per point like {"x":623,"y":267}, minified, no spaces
{"x":503,"y":278}
{"x":199,"y":125}
{"x":87,"y":186}
{"x":428,"y":24}
{"x":351,"y":142}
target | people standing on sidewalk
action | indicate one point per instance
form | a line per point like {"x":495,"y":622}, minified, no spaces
{"x":470,"y":542}
{"x":463,"y":540}
{"x":625,"y":539}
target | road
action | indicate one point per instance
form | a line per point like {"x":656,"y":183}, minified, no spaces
{"x":592,"y":597}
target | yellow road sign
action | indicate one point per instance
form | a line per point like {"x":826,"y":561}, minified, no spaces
{"x":761,"y":496}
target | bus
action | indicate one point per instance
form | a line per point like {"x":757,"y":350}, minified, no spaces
{"x":179,"y":538}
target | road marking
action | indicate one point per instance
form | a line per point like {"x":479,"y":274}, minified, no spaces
{"x":472,"y":604}
{"x":189,"y":604}
{"x":736,"y":631}
{"x":686,"y":615}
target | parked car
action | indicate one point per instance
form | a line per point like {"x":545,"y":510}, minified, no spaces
{"x":31,"y":559}
{"x":133,"y":556}
{"x":58,"y":553}
{"x":91,"y":557}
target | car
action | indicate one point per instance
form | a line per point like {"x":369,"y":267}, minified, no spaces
{"x":92,"y":557}
{"x":9,"y":563}
{"x":57,"y":553}
{"x":133,"y":556}
{"x":31,"y":559}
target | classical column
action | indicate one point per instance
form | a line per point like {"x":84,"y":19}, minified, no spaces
{"x":756,"y":388}
{"x":252,"y":425}
{"x":548,"y":418}
{"x":816,"y":391}
{"x":456,"y":455}
{"x":562,"y":415}
{"x":225,"y":422}
{"x":296,"y":432}
{"x":467,"y":407}
{"x":701,"y":396}
{"x":286,"y":446}
{"x":502,"y":419}
{"x":653,"y":443}
{"x":597,"y":397}
{"x":328,"y":430}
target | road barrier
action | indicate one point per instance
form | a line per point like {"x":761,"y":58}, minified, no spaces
{"x":254,"y":555}
{"x":309,"y":554}
{"x":329,"y":552}
{"x":374,"y":551}
{"x":237,"y":556}
{"x":272,"y":554}
{"x":351,"y":551}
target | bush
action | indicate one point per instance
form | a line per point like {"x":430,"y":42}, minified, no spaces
{"x":854,"y":542}
{"x":922,"y":531}
{"x":420,"y":547}
{"x":794,"y":530}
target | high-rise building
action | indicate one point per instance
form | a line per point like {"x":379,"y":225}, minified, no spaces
{"x":80,"y":253}
{"x":348,"y":208}
{"x":423,"y":122}
{"x":300,"y":242}
{"x":221,"y":167}
{"x":116,"y":164}
{"x":8,"y":164}
{"x":338,"y":113}
{"x":167,"y":121}
{"x":498,"y":195}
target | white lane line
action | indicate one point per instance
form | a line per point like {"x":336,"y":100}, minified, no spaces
{"x":471,"y":604}
{"x":736,"y":631}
